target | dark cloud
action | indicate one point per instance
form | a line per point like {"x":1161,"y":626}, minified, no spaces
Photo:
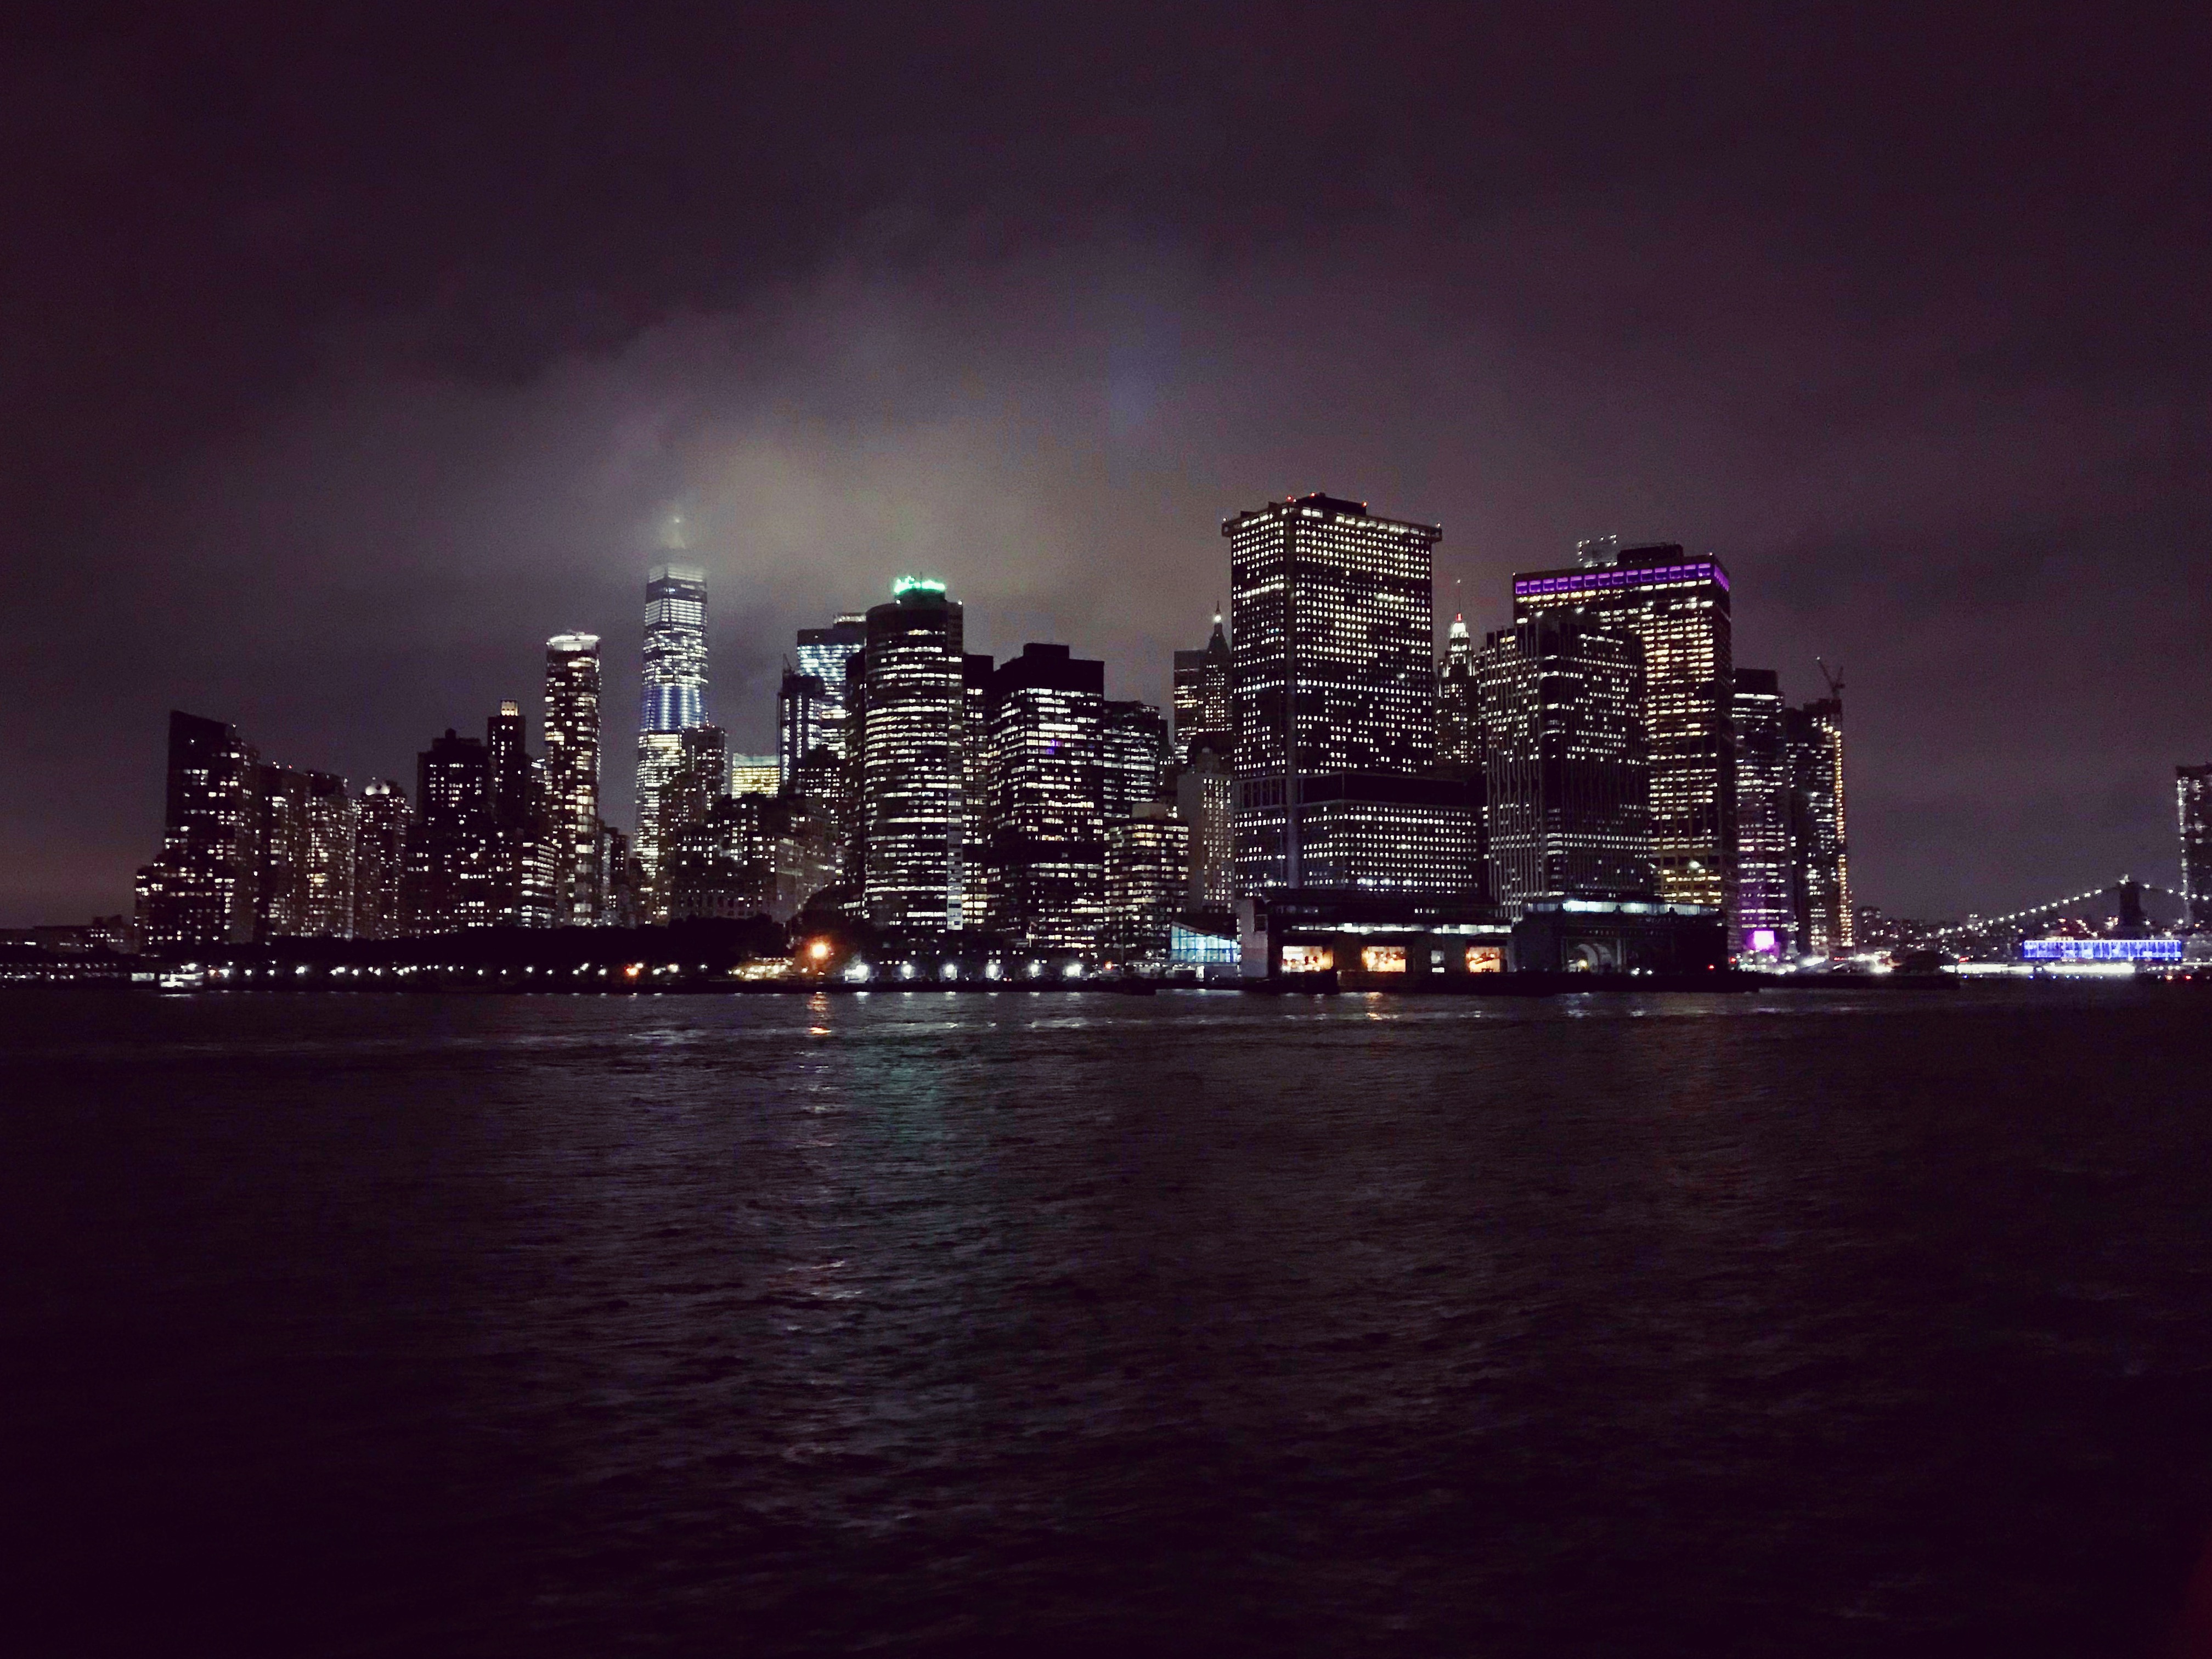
{"x":344,"y":356}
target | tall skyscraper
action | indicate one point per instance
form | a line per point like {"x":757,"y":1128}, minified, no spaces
{"x":198,"y":891}
{"x":1202,"y":693}
{"x":672,"y":699}
{"x":516,"y":800}
{"x":1821,"y":853}
{"x":971,"y":879}
{"x":1147,"y":868}
{"x":448,"y":883}
{"x":1205,"y":801}
{"x":1334,"y":695}
{"x":1459,"y":748}
{"x":380,"y":859}
{"x":572,"y":778}
{"x":1560,"y":707}
{"x":911,"y":787}
{"x":1678,"y":608}
{"x":279,"y":816}
{"x":2192,"y":801}
{"x":1047,"y":857}
{"x":802,"y":721}
{"x":1765,"y":911}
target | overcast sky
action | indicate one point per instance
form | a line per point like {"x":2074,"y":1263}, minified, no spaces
{"x":346,"y":353}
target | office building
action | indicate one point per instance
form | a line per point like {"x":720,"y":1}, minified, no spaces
{"x":1205,"y":801}
{"x":1202,"y":694}
{"x":2192,"y":802}
{"x":198,"y":891}
{"x":802,"y":722}
{"x":380,"y":818}
{"x":1147,"y":871}
{"x":515,"y":801}
{"x":823,"y":652}
{"x":1766,"y":910}
{"x":971,"y":883}
{"x":447,"y":882}
{"x":1459,"y":748}
{"x":911,"y":790}
{"x":1560,"y":707}
{"x":327,"y":905}
{"x":1334,"y":693}
{"x":1045,"y":863}
{"x":755,"y":775}
{"x":672,"y":699}
{"x":1133,"y":755}
{"x":575,"y":878}
{"x":1821,"y":853}
{"x":279,"y":816}
{"x":1678,"y":608}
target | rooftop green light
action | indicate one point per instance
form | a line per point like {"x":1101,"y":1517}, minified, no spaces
{"x":906,"y":585}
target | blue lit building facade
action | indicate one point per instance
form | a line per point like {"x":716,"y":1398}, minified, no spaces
{"x":672,"y":700}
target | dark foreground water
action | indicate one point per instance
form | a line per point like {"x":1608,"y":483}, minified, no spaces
{"x":953,"y":1324}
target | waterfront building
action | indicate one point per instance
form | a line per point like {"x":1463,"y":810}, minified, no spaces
{"x":447,"y":881}
{"x":380,"y":857}
{"x":1820,"y":852}
{"x":198,"y":891}
{"x":1046,"y":849}
{"x":1201,"y":704}
{"x":279,"y":817}
{"x":1205,"y":801}
{"x":515,"y":798}
{"x":1459,"y":746}
{"x":671,"y":700}
{"x":572,"y":779}
{"x":971,"y":880}
{"x":911,"y":787}
{"x":1766,"y":908}
{"x":1133,"y":756}
{"x":1333,"y":681}
{"x":1678,"y":608}
{"x":1561,"y":706}
{"x":1148,"y":864}
{"x":2192,"y":801}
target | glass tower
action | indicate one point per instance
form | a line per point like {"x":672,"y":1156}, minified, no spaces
{"x":672,"y":700}
{"x":912,"y":795}
{"x":1677,"y":607}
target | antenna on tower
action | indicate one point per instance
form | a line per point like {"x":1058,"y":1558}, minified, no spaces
{"x":1834,"y":678}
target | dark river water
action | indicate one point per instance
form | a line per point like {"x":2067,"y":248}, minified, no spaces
{"x":938,"y":1323}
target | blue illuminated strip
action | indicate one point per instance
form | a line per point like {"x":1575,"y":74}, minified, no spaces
{"x":2100,"y":950}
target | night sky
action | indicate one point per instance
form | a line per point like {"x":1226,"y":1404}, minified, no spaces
{"x":345,"y":354}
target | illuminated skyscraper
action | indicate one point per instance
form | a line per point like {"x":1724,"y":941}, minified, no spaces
{"x":823,"y":652}
{"x":199,"y":891}
{"x":1334,"y":695}
{"x":1678,"y":608}
{"x":911,"y":787}
{"x":380,"y":857}
{"x":1765,"y":911}
{"x":1133,"y":757}
{"x":2192,"y":799}
{"x":572,"y":779}
{"x":280,"y":851}
{"x":518,"y":801}
{"x":326,"y":911}
{"x":1047,"y":852}
{"x":447,"y":882}
{"x":672,"y":699}
{"x":1820,"y":853}
{"x":1202,"y":693}
{"x":1147,"y":869}
{"x":1205,"y":801}
{"x":1561,"y":709}
{"x":1459,"y":747}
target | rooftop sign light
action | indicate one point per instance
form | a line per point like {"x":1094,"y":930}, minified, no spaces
{"x":2100,"y":950}
{"x":1591,"y":581}
{"x":906,"y":585}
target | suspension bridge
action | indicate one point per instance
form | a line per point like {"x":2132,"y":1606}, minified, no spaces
{"x":2127,"y":888}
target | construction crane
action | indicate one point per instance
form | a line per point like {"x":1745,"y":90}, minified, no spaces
{"x":1834,"y":678}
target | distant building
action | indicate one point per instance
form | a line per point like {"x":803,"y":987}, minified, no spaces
{"x":1046,"y":857}
{"x":1148,"y":858}
{"x":516,"y":802}
{"x":1205,"y":801}
{"x":327,"y":905}
{"x":911,"y":806}
{"x":1565,"y":768}
{"x":279,"y":818}
{"x":971,"y":883}
{"x":572,"y":779}
{"x":672,"y":699}
{"x":1133,"y":755}
{"x":447,"y":882}
{"x":1201,"y":695}
{"x":802,"y":722}
{"x":2192,"y":799}
{"x":755,"y":775}
{"x":823,"y":653}
{"x":379,"y":858}
{"x":1765,"y":908}
{"x":1678,"y":608}
{"x":1820,"y":853}
{"x":1332,"y":651}
{"x":1459,"y":745}
{"x":198,"y":892}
